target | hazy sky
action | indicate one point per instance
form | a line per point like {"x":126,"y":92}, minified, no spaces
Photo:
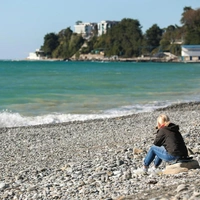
{"x":24,"y":23}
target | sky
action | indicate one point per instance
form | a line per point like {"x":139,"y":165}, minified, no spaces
{"x":24,"y":23}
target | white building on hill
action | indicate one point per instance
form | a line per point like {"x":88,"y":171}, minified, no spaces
{"x":86,"y":29}
{"x":103,"y":26}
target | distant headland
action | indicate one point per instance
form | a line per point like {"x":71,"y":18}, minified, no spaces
{"x":124,"y":41}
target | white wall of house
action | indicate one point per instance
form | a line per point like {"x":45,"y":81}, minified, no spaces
{"x":190,"y":50}
{"x":37,"y":55}
{"x":84,"y":28}
{"x":33,"y":56}
{"x":190,"y":53}
{"x":103,"y":26}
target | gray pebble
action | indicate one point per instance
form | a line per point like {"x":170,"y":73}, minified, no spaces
{"x":95,"y":159}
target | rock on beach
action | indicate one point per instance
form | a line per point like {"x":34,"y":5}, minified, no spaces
{"x":96,"y":159}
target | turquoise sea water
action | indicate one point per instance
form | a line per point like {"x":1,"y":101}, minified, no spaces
{"x":38,"y":92}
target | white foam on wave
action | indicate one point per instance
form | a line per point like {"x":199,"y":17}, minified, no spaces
{"x":137,"y":108}
{"x":9,"y":119}
{"x":15,"y":119}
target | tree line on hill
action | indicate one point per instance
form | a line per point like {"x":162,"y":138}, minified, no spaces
{"x":126,"y":39}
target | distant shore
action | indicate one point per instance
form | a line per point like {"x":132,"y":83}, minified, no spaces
{"x":103,"y":59}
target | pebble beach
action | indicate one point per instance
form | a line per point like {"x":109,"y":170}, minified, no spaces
{"x":96,"y":159}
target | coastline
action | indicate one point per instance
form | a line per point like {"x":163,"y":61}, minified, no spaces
{"x":74,"y":159}
{"x":96,"y":58}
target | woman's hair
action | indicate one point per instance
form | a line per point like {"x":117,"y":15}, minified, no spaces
{"x":163,"y":120}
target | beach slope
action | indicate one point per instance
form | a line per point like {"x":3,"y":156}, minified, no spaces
{"x":97,"y":159}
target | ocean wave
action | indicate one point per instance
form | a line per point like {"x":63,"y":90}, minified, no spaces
{"x":10,"y":119}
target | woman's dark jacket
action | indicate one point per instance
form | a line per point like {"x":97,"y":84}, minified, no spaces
{"x":170,"y":137}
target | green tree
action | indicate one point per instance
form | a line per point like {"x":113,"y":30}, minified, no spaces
{"x":153,"y":37}
{"x":64,"y":38}
{"x":186,"y":15}
{"x":191,"y":24}
{"x":50,"y":43}
{"x":67,"y":44}
{"x":172,"y":34}
{"x":75,"y":43}
{"x":89,"y":45}
{"x":123,"y":39}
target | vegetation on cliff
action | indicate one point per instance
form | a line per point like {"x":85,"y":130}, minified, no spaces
{"x":62,"y":45}
{"x":126,"y":39}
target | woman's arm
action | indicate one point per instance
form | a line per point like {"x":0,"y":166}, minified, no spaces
{"x":160,"y":138}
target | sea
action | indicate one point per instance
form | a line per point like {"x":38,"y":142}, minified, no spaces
{"x":50,"y":92}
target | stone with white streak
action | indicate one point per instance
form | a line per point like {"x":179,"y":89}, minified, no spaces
{"x":181,"y":167}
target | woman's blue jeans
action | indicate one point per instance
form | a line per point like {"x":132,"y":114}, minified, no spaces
{"x":158,"y":154}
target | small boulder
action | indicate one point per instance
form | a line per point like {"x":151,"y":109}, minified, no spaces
{"x":137,"y":151}
{"x":181,"y":167}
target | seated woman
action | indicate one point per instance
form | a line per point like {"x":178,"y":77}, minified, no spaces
{"x":168,"y":144}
